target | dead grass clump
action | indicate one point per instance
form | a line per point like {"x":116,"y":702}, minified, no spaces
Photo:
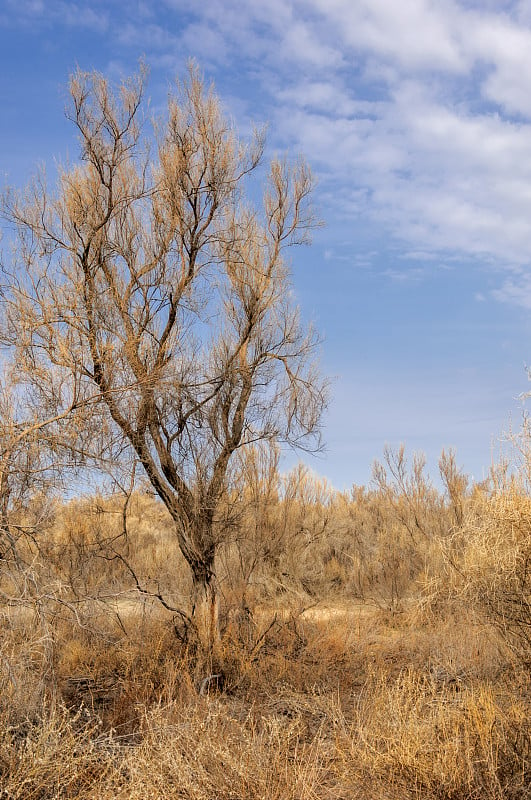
{"x":27,"y":674}
{"x":204,"y":751}
{"x":301,"y":654}
{"x":117,"y":680}
{"x":414,"y":737}
{"x":56,"y":756}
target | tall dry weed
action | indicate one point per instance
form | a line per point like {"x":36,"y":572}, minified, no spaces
{"x":413,"y":737}
{"x":494,"y":569}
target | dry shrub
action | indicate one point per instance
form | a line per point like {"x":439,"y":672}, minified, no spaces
{"x":194,"y":751}
{"x":56,"y":756}
{"x":414,"y":737}
{"x":494,"y":569}
{"x":116,"y":679}
{"x":210,"y":749}
{"x":27,"y":663}
{"x":93,"y":537}
{"x":286,"y":538}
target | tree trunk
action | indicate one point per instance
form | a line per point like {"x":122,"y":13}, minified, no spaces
{"x":205,"y":608}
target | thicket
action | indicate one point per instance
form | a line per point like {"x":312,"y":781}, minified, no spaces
{"x":375,"y":643}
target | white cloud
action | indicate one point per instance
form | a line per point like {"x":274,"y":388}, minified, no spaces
{"x":430,"y":161}
{"x":505,"y":48}
{"x":516,"y":291}
{"x":438,"y":176}
{"x":405,"y":276}
{"x":414,"y":33}
{"x":416,"y":115}
{"x":90,"y":16}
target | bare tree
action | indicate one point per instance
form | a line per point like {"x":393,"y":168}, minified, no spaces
{"x":154,"y":282}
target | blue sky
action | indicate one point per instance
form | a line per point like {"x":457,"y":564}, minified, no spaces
{"x":416,"y":119}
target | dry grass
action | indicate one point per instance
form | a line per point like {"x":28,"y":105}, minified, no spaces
{"x":324,"y":708}
{"x":423,"y":736}
{"x":411,"y":691}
